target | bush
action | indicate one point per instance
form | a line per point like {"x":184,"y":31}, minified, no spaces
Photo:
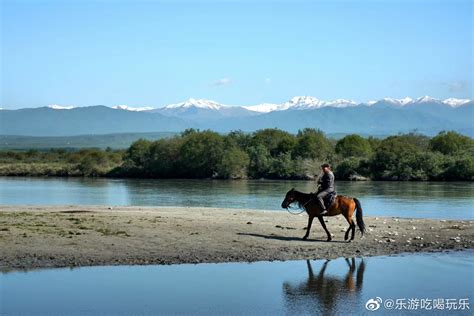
{"x":353,"y":146}
{"x":449,"y":143}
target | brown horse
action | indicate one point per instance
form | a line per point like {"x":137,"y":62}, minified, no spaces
{"x":342,"y":205}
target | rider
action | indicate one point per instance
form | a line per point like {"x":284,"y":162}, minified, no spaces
{"x":325,"y":186}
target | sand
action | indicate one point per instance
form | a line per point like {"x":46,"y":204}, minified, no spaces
{"x":70,"y":236}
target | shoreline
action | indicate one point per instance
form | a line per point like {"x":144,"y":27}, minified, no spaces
{"x":72,"y":236}
{"x":308,"y":179}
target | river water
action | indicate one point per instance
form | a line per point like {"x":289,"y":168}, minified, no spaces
{"x":444,"y":200}
{"x":313,"y":287}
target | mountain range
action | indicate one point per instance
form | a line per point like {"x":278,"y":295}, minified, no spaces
{"x":385,"y":116}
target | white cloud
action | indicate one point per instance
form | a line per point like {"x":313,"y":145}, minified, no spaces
{"x":222,"y":82}
{"x":457,"y":86}
{"x":268,"y":81}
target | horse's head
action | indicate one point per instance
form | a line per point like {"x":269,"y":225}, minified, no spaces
{"x":289,"y":198}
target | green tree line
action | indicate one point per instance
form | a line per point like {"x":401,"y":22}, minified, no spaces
{"x":267,"y":153}
{"x":60,"y":162}
{"x":276,"y":154}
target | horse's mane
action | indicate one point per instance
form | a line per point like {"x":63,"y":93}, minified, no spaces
{"x":300,"y":204}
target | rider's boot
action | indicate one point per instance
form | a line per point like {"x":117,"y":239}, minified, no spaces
{"x":324,"y":212}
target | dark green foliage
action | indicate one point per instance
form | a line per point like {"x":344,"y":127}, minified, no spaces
{"x":276,"y":141}
{"x":199,"y":154}
{"x":351,"y":166}
{"x":234,"y":164}
{"x":353,"y":146}
{"x":58,"y":162}
{"x":313,"y":144}
{"x":449,"y":143}
{"x":268,"y":153}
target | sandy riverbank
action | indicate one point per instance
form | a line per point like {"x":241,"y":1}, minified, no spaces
{"x":61,"y":236}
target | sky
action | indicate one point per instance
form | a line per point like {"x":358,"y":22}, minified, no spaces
{"x":153,"y":53}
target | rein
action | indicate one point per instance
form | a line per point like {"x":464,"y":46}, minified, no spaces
{"x":288,"y":210}
{"x":303,"y":207}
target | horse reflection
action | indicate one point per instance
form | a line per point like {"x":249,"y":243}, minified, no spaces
{"x":321,"y":294}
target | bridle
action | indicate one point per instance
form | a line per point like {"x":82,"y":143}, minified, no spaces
{"x":303,"y":206}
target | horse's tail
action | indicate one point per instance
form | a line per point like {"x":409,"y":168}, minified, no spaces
{"x":360,"y":221}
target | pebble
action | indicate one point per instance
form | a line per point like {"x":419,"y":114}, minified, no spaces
{"x":418,"y":238}
{"x":456,"y":239}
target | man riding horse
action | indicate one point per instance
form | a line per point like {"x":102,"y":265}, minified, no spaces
{"x":325,"y":187}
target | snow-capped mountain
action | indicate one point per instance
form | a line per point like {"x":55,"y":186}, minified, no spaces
{"x":200,"y":109}
{"x":399,"y":102}
{"x":308,"y":102}
{"x":60,"y":107}
{"x":129,"y":108}
{"x":196,"y":103}
{"x":295,"y":103}
{"x":265,"y":107}
{"x":425,"y":100}
{"x":385,"y":116}
{"x":456,"y":102}
{"x":300,"y":103}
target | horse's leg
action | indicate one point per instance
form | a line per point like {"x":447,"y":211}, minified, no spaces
{"x":353,"y":226}
{"x":321,"y":220}
{"x":349,"y":220}
{"x":310,"y":222}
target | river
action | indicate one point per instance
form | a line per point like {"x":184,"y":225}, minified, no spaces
{"x":444,"y":200}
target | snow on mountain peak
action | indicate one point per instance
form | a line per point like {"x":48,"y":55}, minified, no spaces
{"x":304,"y":102}
{"x":341,"y":103}
{"x":401,"y":102}
{"x":307,"y":102}
{"x":453,"y":102}
{"x":426,"y":99}
{"x":60,"y":107}
{"x":264,"y":107}
{"x":198,"y":103}
{"x":129,"y":108}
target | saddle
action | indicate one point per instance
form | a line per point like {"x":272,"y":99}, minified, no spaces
{"x":329,"y":199}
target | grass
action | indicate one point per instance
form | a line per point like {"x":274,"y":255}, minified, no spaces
{"x":108,"y":232}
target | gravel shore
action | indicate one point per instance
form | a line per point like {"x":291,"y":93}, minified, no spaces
{"x":69,"y":236}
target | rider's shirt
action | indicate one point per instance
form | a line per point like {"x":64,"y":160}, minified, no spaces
{"x":326,"y":182}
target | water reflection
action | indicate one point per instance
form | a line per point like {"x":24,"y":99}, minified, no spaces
{"x":318,"y":287}
{"x":322,"y":293}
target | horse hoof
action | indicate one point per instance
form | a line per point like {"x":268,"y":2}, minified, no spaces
{"x":304,"y":238}
{"x":329,"y":239}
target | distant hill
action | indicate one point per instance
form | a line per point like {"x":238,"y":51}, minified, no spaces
{"x":114,"y":141}
{"x":45,"y":121}
{"x":383,"y":117}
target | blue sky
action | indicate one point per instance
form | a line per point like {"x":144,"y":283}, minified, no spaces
{"x":235,"y":52}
